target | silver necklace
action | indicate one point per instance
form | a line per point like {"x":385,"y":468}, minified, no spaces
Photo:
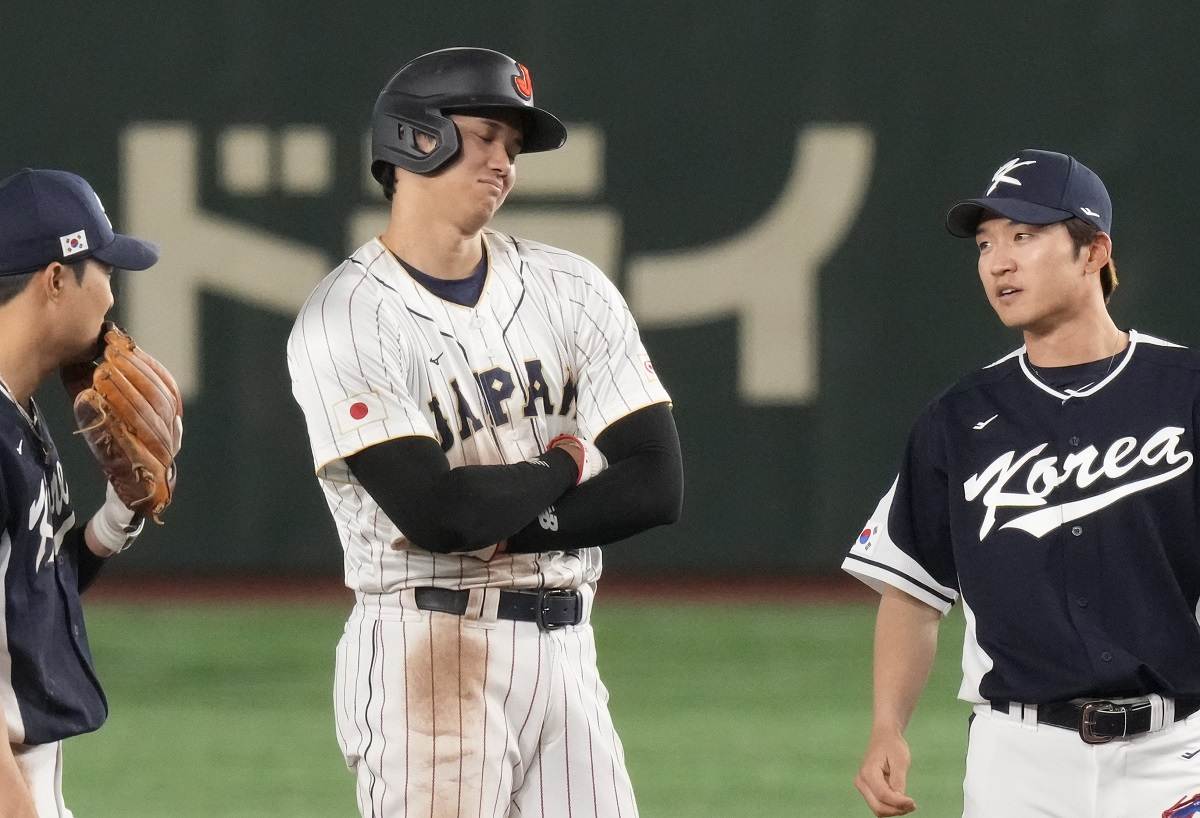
{"x":30,"y":418}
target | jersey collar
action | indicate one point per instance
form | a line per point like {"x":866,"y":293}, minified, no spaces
{"x":1065,"y":395}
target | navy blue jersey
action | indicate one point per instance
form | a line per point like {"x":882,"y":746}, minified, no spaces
{"x":1066,"y":520}
{"x":49,"y":687}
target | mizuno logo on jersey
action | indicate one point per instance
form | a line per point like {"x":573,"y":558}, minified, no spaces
{"x":1087,"y":468}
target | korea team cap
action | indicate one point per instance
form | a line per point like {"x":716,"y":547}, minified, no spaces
{"x":1037,"y":187}
{"x":52,"y":215}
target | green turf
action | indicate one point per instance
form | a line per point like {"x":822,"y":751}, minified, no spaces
{"x":224,"y":712}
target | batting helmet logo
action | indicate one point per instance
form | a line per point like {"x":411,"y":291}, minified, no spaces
{"x":523,"y":82}
{"x":1187,"y":807}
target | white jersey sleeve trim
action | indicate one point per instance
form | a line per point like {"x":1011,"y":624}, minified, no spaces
{"x":878,"y":561}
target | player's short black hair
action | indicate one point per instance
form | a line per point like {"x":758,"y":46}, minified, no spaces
{"x":389,"y":182}
{"x":1082,"y":234}
{"x":12,"y":286}
{"x":389,"y":172}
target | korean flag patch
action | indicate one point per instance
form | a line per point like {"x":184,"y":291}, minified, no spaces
{"x":73,"y":243}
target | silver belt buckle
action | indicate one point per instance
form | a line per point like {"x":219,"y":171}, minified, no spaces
{"x":1087,"y":720}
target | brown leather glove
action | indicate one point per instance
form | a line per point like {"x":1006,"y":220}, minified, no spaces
{"x":129,"y":411}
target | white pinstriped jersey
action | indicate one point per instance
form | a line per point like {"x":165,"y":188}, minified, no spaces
{"x":549,"y":348}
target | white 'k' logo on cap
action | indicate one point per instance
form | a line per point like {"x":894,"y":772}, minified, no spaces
{"x":1090,"y":212}
{"x":73,"y":243}
{"x":1008,"y":167}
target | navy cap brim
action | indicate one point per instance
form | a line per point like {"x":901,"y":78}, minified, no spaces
{"x":963,"y":219}
{"x":128,"y":253}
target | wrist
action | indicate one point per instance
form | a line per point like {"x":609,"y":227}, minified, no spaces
{"x":589,"y":460}
{"x":113,"y":527}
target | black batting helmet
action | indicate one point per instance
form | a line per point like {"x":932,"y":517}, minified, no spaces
{"x":421,"y":96}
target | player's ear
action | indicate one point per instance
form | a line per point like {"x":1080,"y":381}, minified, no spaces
{"x":52,"y":279}
{"x":1099,"y":253}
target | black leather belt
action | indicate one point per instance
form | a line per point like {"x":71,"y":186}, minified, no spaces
{"x":1099,"y":721}
{"x":551,"y":609}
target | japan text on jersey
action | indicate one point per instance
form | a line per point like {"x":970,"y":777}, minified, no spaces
{"x":549,"y":348}
{"x":1064,"y":519}
{"x":50,"y":690}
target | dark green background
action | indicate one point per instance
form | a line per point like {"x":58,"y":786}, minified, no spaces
{"x":700,"y":104}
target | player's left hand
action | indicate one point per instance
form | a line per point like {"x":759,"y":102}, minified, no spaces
{"x":884,"y":775}
{"x":130,"y":412}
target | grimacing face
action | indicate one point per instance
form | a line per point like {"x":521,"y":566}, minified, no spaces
{"x":1032,"y":275}
{"x":470,"y":189}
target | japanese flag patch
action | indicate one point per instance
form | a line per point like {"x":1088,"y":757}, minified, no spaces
{"x":73,"y":243}
{"x":357,"y":411}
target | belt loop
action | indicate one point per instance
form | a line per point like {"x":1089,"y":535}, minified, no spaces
{"x":408,"y":601}
{"x":484,"y":604}
{"x":1162,"y":712}
{"x":1029,"y":713}
{"x":587,"y":598}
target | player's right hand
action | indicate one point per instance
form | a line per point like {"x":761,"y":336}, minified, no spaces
{"x":884,"y":775}
{"x":588,"y":459}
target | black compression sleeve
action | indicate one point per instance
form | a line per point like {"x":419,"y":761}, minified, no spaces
{"x":89,"y":564}
{"x":641,"y":488}
{"x":443,"y":509}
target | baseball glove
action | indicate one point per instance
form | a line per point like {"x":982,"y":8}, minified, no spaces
{"x":129,"y":411}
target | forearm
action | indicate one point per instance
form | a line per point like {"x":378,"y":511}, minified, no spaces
{"x":641,"y":488}
{"x":481,"y":505}
{"x":628,"y":497}
{"x":92,"y":556}
{"x":445,"y":510}
{"x":905,"y":644}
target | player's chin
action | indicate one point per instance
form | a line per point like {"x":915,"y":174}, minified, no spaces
{"x":1009,"y":316}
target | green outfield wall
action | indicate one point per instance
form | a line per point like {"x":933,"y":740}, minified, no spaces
{"x":765,"y":181}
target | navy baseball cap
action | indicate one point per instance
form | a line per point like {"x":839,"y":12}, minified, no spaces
{"x":52,"y":215}
{"x":1037,"y":187}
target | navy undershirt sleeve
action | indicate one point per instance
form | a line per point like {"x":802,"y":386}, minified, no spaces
{"x":445,"y":510}
{"x":89,"y":563}
{"x":641,"y":488}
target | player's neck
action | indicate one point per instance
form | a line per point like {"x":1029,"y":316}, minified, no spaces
{"x":1086,"y":338}
{"x":24,"y":363}
{"x":437,"y":249}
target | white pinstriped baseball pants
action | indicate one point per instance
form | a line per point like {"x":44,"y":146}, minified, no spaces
{"x":473,"y":717}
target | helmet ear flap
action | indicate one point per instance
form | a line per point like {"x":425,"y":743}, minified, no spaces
{"x":394,"y":141}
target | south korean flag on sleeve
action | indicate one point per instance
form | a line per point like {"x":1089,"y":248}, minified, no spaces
{"x":906,"y":543}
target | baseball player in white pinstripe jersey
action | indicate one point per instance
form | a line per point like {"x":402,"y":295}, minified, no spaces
{"x":459,"y":386}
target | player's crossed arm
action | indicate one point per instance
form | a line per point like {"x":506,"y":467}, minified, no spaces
{"x":641,"y":488}
{"x":444,"y":509}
